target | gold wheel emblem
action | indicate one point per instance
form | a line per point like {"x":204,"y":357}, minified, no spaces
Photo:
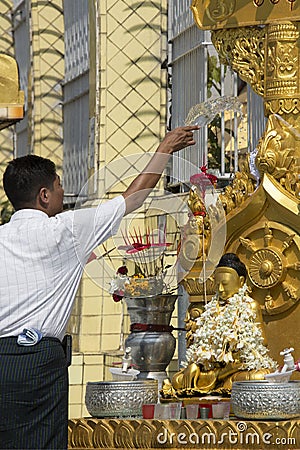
{"x":265,"y":268}
{"x":271,"y":252}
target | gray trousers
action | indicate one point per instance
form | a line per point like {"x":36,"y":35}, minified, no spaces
{"x":33,"y":395}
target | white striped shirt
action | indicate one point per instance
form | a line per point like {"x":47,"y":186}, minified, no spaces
{"x":42,"y":261}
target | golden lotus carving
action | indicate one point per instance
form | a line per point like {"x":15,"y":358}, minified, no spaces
{"x":279,"y":155}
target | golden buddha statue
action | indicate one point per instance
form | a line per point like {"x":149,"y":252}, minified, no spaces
{"x":228,"y":342}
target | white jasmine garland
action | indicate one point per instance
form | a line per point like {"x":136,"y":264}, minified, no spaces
{"x":223,"y":330}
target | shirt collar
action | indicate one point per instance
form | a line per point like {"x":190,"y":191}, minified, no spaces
{"x":28,"y":214}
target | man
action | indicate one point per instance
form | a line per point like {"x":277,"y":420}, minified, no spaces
{"x":43,"y":254}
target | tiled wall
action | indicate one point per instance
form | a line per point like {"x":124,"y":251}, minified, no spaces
{"x":85,"y":367}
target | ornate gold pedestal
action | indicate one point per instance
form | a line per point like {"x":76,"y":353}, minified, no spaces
{"x":176,"y":434}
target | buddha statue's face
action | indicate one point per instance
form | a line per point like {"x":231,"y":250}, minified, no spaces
{"x":227,"y":282}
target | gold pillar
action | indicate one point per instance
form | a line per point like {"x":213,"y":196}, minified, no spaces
{"x":282,"y":89}
{"x":268,"y":59}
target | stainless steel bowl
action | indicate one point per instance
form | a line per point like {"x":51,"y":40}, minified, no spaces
{"x":264,"y":400}
{"x":120,"y":398}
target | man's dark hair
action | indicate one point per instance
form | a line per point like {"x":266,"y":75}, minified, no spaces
{"x":25,"y":176}
{"x":233,"y":261}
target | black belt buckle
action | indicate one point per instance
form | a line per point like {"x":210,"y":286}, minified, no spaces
{"x":67,"y":346}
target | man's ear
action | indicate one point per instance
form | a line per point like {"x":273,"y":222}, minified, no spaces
{"x":242,"y":280}
{"x":44,"y":196}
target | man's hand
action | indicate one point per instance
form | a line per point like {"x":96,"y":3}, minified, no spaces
{"x":178,"y":139}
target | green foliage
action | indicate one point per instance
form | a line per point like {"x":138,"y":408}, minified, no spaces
{"x":214,"y":149}
{"x":6,"y":211}
{"x":213,"y":75}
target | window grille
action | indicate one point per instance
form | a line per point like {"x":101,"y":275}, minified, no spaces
{"x":76,"y":100}
{"x":192,"y":62}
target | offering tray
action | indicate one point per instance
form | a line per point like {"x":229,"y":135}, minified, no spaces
{"x":120,"y":398}
{"x":260,"y":399}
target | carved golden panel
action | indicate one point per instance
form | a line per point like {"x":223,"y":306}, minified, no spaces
{"x":243,"y":49}
{"x":217,"y":14}
{"x":267,"y":58}
{"x":204,"y":434}
{"x":279,"y":155}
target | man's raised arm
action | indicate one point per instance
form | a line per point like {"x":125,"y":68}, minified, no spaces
{"x":143,"y":184}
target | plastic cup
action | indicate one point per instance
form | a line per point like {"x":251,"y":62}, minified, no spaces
{"x":175,"y":410}
{"x":204,"y":412}
{"x":161,"y":411}
{"x":226,"y":410}
{"x":167,"y":410}
{"x":192,"y":411}
{"x":221,"y":410}
{"x":148,"y":410}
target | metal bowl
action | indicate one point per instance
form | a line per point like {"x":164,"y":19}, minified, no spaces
{"x":264,"y":400}
{"x":120,"y":398}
